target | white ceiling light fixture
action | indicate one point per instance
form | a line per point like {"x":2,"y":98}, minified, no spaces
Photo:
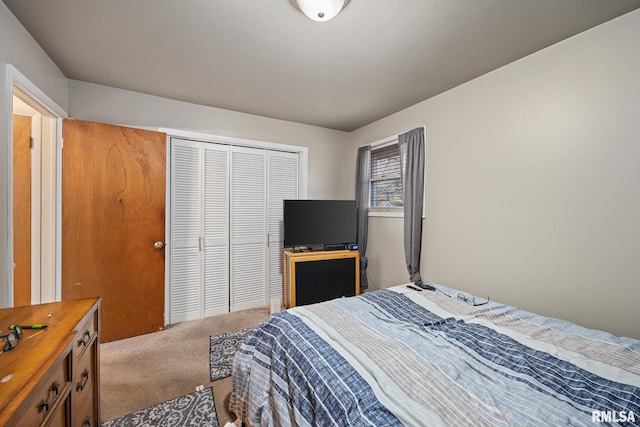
{"x":321,"y":10}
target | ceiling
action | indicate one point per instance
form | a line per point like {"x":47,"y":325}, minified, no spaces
{"x":265,"y":57}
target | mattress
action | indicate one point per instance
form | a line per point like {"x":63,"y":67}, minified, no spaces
{"x":400,"y":357}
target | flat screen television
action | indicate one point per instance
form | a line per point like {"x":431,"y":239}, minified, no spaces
{"x":326,"y":223}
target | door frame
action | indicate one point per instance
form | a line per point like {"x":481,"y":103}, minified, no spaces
{"x":303,"y":162}
{"x":16,"y":83}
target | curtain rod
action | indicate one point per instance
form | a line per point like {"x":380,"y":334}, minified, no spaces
{"x":392,"y":138}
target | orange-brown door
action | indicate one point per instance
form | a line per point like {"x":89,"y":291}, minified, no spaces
{"x":113,"y":212}
{"x":22,"y":210}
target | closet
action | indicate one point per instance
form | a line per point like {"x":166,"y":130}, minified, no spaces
{"x":225,"y":226}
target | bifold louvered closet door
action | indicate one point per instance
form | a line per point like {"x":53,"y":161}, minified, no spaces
{"x":226,"y":226}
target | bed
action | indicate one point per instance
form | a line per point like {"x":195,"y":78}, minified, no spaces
{"x":400,"y":357}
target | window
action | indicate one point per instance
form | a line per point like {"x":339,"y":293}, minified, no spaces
{"x":386,"y":181}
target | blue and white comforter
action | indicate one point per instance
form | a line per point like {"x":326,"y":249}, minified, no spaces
{"x":398,"y":357}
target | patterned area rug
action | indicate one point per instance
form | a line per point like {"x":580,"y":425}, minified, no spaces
{"x":195,"y":409}
{"x":222,"y":348}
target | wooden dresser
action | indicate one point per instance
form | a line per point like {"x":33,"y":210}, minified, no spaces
{"x":52,"y":377}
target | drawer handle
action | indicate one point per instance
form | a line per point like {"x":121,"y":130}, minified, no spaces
{"x":85,"y":339}
{"x":86,"y":422}
{"x":45,"y":404}
{"x":85,"y":376}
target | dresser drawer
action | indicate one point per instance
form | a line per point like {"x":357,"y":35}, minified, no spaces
{"x":85,"y":372}
{"x":86,"y":333}
{"x":49,"y":400}
{"x":84,"y":411}
{"x":61,"y":417}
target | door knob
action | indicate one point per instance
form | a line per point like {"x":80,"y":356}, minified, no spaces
{"x":158,"y":245}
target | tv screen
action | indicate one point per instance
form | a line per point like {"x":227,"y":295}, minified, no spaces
{"x":319,"y":222}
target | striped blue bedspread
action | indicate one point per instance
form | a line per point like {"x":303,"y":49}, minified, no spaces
{"x":399,"y":357}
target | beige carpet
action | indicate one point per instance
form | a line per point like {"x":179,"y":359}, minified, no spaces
{"x":142,"y":371}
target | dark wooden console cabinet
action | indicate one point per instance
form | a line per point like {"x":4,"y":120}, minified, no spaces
{"x":52,"y":378}
{"x":311,"y":277}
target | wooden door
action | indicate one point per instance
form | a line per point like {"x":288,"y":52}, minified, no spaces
{"x":113,"y":211}
{"x":22,"y":210}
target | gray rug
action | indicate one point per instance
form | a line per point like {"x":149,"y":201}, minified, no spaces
{"x":222,"y":348}
{"x":195,"y":409}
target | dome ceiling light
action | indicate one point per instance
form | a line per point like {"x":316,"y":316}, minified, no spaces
{"x":321,"y":10}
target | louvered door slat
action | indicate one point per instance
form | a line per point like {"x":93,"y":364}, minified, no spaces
{"x":248,"y":228}
{"x":216,"y":280}
{"x":186,"y":266}
{"x":248,"y":276}
{"x":282,"y":183}
{"x":216,"y":230}
{"x":226,"y":226}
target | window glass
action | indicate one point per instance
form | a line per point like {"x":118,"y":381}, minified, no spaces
{"x":386,"y":183}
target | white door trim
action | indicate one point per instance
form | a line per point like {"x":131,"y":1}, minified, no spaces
{"x":16,"y":83}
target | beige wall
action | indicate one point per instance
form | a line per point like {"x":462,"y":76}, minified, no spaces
{"x":533,"y":183}
{"x":19,"y":49}
{"x":327,"y":164}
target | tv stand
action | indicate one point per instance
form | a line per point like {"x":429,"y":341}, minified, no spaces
{"x":311,"y":277}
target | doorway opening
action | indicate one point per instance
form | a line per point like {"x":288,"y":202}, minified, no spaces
{"x":34,"y":214}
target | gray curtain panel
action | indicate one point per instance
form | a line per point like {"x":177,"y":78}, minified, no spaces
{"x":363,"y":173}
{"x":412,"y":157}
